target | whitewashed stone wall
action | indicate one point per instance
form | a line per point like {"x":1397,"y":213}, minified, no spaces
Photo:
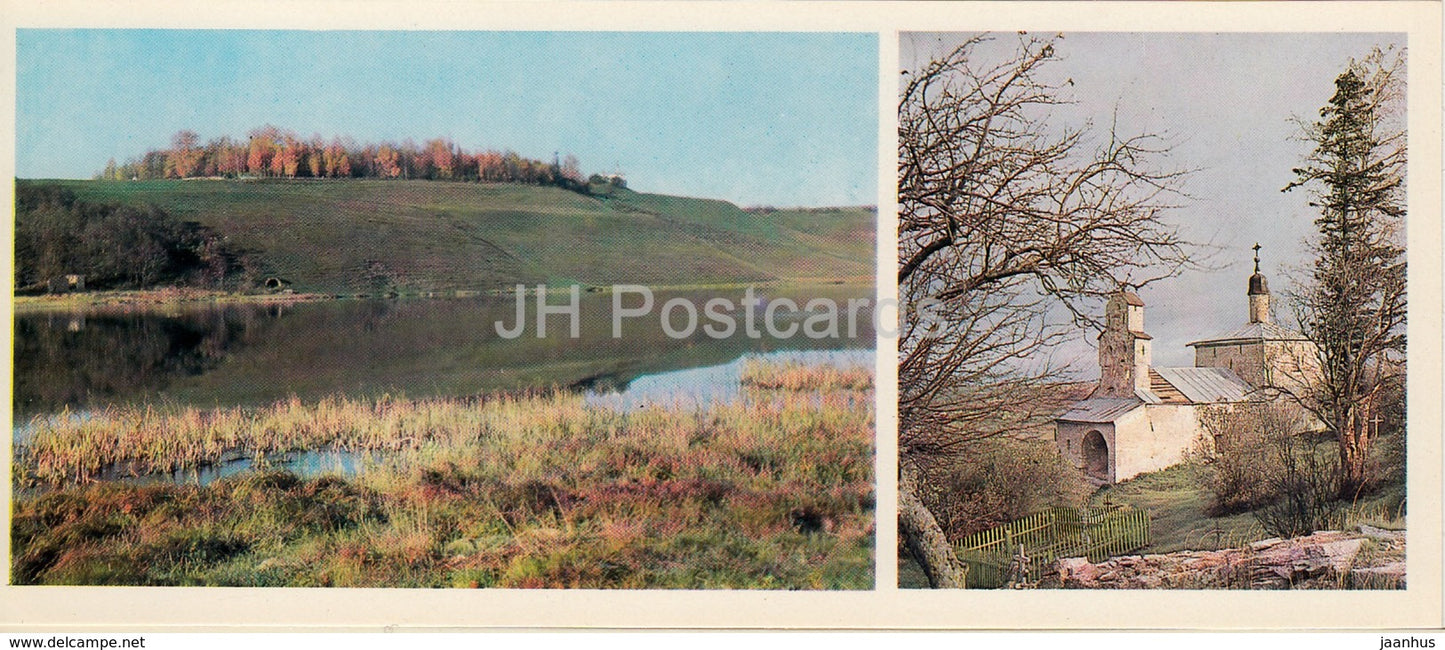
{"x":1153,"y":438}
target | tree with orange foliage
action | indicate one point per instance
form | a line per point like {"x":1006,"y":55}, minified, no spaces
{"x":261,"y":150}
{"x":388,"y":163}
{"x":183,"y":158}
{"x":440,"y":159}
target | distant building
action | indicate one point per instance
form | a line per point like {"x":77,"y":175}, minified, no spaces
{"x":1141,"y":418}
{"x":66,"y":283}
{"x":615,"y":179}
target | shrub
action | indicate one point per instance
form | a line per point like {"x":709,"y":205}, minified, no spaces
{"x":1387,"y":461}
{"x":1306,"y":485}
{"x":1259,"y":457}
{"x":998,"y":480}
{"x":1237,"y":453}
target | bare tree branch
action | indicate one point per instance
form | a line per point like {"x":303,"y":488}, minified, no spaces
{"x":1011,"y":230}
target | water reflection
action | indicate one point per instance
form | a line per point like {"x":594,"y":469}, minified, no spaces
{"x":75,"y":365}
{"x":257,"y":354}
{"x":74,"y":360}
{"x":306,"y":464}
{"x":702,"y":387}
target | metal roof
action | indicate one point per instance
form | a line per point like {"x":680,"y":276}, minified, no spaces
{"x":1207,"y":385}
{"x":1101,"y":409}
{"x":1253,"y":332}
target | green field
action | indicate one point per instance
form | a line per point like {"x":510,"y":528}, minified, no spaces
{"x":419,"y":236}
{"x":1177,"y":503}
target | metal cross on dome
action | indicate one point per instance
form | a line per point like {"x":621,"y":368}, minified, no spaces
{"x":1256,"y":257}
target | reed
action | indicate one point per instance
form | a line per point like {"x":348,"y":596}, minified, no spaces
{"x":795,"y":376}
{"x":772,"y":491}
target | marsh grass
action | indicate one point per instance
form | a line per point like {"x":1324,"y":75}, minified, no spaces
{"x":796,"y":376}
{"x":772,"y":491}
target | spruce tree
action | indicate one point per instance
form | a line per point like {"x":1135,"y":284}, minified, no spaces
{"x":1353,"y":308}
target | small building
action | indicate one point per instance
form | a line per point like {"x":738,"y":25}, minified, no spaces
{"x":1143,"y":418}
{"x":66,"y":283}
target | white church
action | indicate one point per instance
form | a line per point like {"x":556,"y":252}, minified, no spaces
{"x":1142,"y":418}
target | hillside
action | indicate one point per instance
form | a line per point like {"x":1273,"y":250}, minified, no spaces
{"x":357,"y":236}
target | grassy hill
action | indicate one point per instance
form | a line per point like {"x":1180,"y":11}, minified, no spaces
{"x":412,"y":236}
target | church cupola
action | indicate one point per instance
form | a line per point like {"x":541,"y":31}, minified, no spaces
{"x":1124,"y":348}
{"x":1258,"y":293}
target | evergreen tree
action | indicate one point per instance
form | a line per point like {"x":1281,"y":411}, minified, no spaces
{"x":1353,"y":308}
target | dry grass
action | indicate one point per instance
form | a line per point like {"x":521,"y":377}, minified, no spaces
{"x":152,"y":439}
{"x":774,"y":491}
{"x":794,"y":376}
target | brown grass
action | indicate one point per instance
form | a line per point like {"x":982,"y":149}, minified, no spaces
{"x":772,"y":491}
{"x":796,"y":377}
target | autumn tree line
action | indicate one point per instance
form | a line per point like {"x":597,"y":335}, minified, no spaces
{"x":270,"y":152}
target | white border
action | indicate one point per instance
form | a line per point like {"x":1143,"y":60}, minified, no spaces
{"x":1420,"y":606}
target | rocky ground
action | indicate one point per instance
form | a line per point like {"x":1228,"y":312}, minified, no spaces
{"x":1363,"y":558}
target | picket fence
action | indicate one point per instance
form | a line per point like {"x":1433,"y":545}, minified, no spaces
{"x":1096,"y":533}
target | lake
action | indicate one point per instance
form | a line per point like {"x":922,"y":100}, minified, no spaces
{"x":251,"y":354}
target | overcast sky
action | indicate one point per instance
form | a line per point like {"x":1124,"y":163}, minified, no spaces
{"x":1225,"y":101}
{"x":783,"y":119}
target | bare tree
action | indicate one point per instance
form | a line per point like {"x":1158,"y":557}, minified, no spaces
{"x":1354,"y":305}
{"x":1011,"y":227}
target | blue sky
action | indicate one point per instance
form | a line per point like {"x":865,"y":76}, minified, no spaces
{"x":755,"y":118}
{"x":1226,"y":103}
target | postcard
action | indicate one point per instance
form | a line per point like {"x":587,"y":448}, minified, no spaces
{"x":655,"y":315}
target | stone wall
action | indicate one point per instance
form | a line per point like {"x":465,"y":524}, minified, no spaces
{"x":1147,"y":439}
{"x":1124,"y":350}
{"x":1323,"y":560}
{"x":1291,"y":364}
{"x":1117,"y":361}
{"x":1246,"y":360}
{"x":1283,"y":364}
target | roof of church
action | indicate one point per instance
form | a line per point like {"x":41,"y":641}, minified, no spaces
{"x":1253,"y":332}
{"x":1206,"y":385}
{"x":1101,"y":409}
{"x":1190,"y":386}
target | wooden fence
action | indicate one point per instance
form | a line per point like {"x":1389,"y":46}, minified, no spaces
{"x":1049,"y":535}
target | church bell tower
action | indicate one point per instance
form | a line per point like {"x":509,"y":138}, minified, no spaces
{"x":1258,"y":293}
{"x":1124,"y":348}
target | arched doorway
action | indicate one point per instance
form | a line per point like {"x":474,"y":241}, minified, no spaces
{"x":1096,"y":456}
